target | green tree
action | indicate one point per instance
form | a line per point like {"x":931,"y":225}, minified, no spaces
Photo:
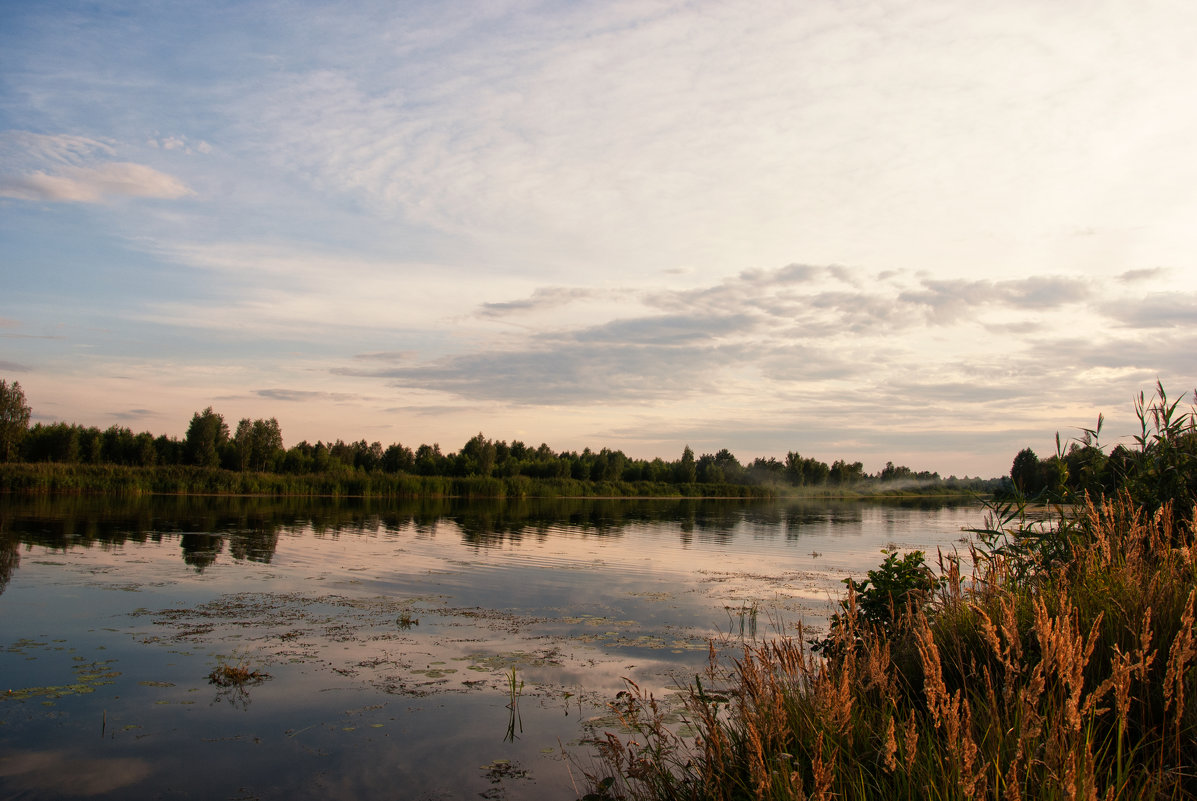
{"x":14,"y":419}
{"x":478,"y":456}
{"x":429,"y":461}
{"x":206,"y":436}
{"x":55,"y":442}
{"x":398,"y":458}
{"x":258,"y":444}
{"x":846,"y":473}
{"x":685,"y":471}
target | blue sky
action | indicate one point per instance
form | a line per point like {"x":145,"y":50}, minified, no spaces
{"x":926,"y":231}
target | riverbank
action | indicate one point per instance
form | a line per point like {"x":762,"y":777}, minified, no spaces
{"x":1061,"y":663}
{"x":32,"y":478}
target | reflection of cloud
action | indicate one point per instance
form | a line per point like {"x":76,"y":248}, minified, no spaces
{"x":64,"y":773}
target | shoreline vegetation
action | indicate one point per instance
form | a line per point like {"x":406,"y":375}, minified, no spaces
{"x":1060,"y":664}
{"x":212,"y":458}
{"x":55,"y":478}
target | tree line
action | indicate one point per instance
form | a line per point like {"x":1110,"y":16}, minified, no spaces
{"x":257,"y":445}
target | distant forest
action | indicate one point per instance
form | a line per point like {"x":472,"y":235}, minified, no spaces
{"x":257,"y":446}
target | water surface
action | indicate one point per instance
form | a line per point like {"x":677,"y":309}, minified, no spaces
{"x":391,"y":633}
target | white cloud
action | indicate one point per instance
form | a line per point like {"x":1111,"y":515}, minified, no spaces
{"x":718,"y":134}
{"x":76,"y":169}
{"x":21,"y":149}
{"x":181,"y":144}
{"x":94,"y":184}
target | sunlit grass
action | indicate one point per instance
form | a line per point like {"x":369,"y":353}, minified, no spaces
{"x":1063,"y":665}
{"x":1085,"y":687}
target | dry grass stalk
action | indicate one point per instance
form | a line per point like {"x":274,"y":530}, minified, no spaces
{"x":1002,"y":690}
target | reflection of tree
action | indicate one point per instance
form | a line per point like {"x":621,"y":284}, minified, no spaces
{"x":200,"y":550}
{"x":253,"y":526}
{"x":257,"y":545}
{"x":10,"y":559}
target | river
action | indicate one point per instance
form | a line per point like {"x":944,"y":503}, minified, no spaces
{"x":422,"y":650}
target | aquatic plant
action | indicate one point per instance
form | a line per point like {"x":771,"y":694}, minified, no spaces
{"x":746,"y":616}
{"x":514,"y":719}
{"x":235,"y":674}
{"x":1077,"y":684}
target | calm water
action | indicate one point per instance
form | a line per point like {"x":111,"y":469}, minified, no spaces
{"x":390,"y":633}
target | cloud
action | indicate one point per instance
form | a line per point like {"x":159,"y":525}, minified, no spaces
{"x":26,"y":149}
{"x":75,"y":169}
{"x":15,"y":367}
{"x":303,"y":395}
{"x":387,"y":355}
{"x":94,"y":184}
{"x":181,"y":144}
{"x":947,"y":301}
{"x":769,"y":332}
{"x":540,"y":299}
{"x":667,"y":330}
{"x":1157,"y":310}
{"x":32,"y":336}
{"x":1146,"y":274}
{"x":133,"y":414}
{"x":569,"y":372}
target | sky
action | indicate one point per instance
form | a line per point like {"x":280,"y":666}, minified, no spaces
{"x":919,"y":231}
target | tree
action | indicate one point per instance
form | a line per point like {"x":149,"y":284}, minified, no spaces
{"x":14,"y":419}
{"x":429,"y":461}
{"x":685,"y":471}
{"x":398,"y":458}
{"x":206,"y":435}
{"x":478,"y":456}
{"x":1026,"y":473}
{"x":259,"y":444}
{"x":843,"y":473}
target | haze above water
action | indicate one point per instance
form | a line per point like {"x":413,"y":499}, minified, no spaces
{"x":390,"y":633}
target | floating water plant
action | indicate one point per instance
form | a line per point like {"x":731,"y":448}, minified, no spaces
{"x":235,"y":675}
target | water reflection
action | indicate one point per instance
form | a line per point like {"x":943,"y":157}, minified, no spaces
{"x":398,"y":636}
{"x":10,"y":559}
{"x":251,"y":527}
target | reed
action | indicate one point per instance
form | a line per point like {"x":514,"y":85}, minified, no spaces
{"x":30,"y":478}
{"x":1080,"y":684}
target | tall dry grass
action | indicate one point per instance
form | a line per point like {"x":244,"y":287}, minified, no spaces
{"x":1080,"y":684}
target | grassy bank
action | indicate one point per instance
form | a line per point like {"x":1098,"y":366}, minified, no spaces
{"x":1061,"y":664}
{"x":1081,"y":685}
{"x":25,"y":478}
